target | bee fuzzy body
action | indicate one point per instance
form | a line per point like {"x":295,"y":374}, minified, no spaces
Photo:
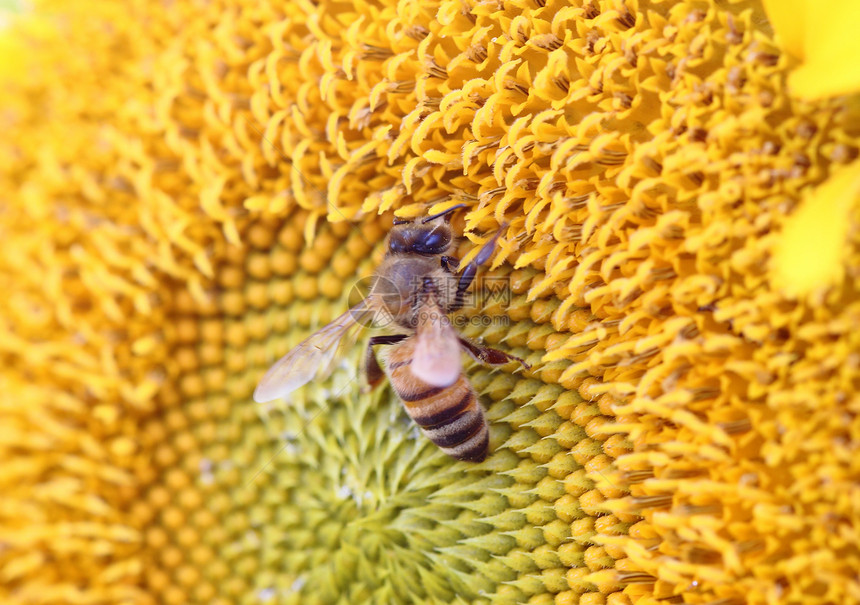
{"x":450,"y":417}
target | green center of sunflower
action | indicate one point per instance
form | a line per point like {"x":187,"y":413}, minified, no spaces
{"x":334,"y":493}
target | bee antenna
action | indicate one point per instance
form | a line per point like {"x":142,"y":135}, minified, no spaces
{"x":443,"y":213}
{"x":501,"y":229}
{"x":401,"y":221}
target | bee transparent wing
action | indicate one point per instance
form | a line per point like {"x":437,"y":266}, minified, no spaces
{"x":310,"y":358}
{"x":436,"y":360}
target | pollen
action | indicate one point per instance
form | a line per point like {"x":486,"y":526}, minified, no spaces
{"x":190,"y":189}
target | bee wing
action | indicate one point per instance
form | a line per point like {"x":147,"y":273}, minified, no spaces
{"x":310,"y":358}
{"x":436,"y":360}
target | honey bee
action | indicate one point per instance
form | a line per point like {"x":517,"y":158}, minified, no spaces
{"x":414,"y":289}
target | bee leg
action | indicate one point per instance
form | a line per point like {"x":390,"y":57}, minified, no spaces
{"x":450,"y":264}
{"x":372,"y":370}
{"x":471,"y":270}
{"x":489,"y":356}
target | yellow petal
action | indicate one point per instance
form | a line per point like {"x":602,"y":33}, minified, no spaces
{"x":813,"y":246}
{"x":824,"y":36}
{"x":788,"y":18}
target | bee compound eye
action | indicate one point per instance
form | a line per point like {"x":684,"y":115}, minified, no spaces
{"x":434,"y":242}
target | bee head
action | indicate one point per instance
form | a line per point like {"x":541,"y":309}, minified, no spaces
{"x":428,"y":236}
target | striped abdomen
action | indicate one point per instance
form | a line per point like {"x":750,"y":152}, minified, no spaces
{"x":450,"y":416}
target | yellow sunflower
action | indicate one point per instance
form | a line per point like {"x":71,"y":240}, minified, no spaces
{"x":188,"y":189}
